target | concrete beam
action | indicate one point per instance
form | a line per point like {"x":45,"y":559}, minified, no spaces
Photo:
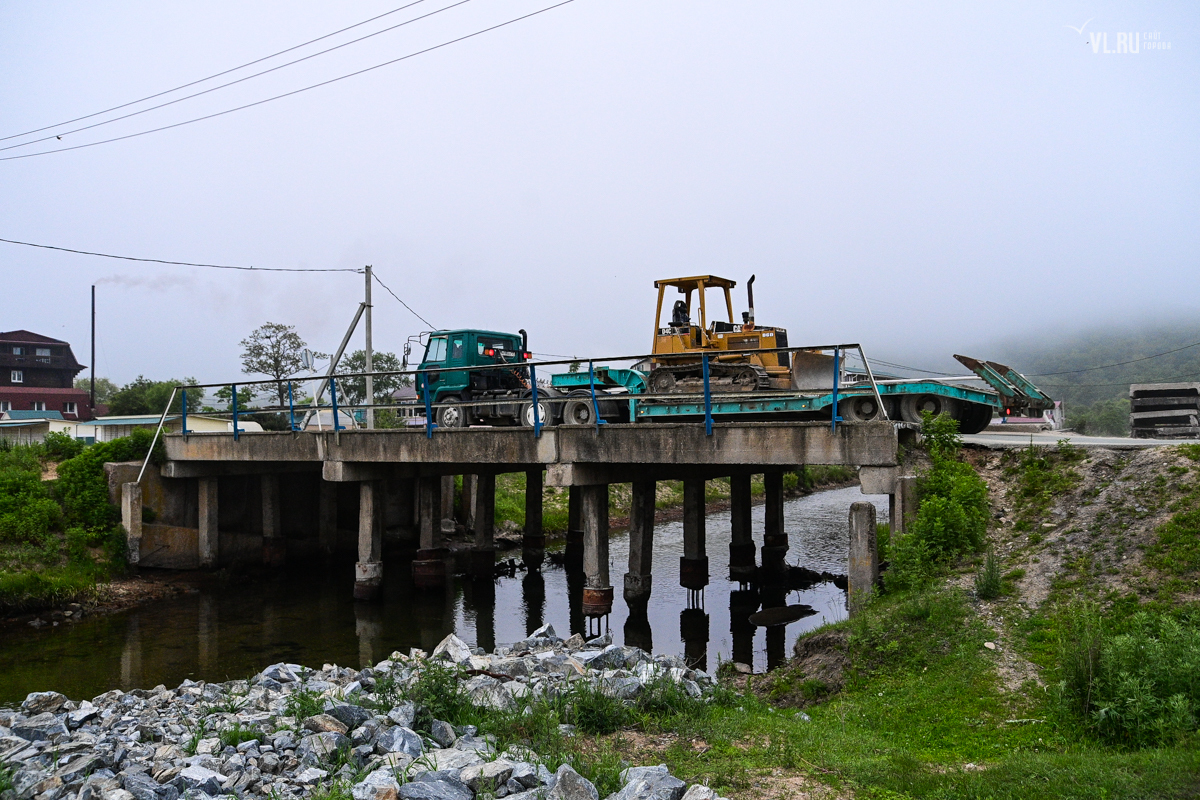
{"x":355,"y":471}
{"x":878,"y":480}
{"x":131,"y":519}
{"x":212,"y":469}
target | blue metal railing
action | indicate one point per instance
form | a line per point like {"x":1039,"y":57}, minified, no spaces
{"x":595,"y":405}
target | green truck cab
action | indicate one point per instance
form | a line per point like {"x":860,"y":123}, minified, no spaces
{"x":453,"y":386}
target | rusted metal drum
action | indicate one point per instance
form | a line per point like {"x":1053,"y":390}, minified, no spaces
{"x":597,"y":602}
{"x":429,"y":568}
{"x":693,"y":572}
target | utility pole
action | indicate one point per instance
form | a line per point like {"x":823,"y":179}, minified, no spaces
{"x":92,"y":401}
{"x":370,"y":363}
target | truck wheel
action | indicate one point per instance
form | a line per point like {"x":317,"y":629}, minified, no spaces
{"x":578,"y":412}
{"x":860,"y":408}
{"x":913,"y":405}
{"x":450,"y":416}
{"x":544,"y":414}
{"x":974,"y":417}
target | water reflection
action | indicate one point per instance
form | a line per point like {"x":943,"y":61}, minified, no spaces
{"x":232,"y":627}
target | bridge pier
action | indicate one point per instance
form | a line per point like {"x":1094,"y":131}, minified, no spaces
{"x":467,"y":511}
{"x":741,"y":543}
{"x":327,"y":517}
{"x":573,"y":552}
{"x":639,"y":580}
{"x":274,"y":548}
{"x":863,"y":572}
{"x":902,"y":504}
{"x":533,"y":540}
{"x":447,"y":523}
{"x":368,"y":572}
{"x":483,"y":554}
{"x":693,"y":629}
{"x":598,"y":592}
{"x":742,"y":603}
{"x":429,"y":567}
{"x":208,"y":537}
{"x":693,"y":566}
{"x":775,"y":540}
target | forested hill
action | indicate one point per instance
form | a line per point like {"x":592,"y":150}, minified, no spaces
{"x":1100,"y":348}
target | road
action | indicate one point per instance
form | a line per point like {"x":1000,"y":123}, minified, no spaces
{"x":1001,"y":441}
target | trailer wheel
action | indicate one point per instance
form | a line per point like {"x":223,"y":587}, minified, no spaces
{"x":450,"y":416}
{"x":578,"y":412}
{"x":974,"y":417}
{"x":544,"y":414}
{"x":860,"y":408}
{"x":912,"y":406}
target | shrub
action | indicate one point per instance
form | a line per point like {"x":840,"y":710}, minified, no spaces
{"x":987,"y":581}
{"x":953,"y":514}
{"x":27,"y":512}
{"x":61,"y":446}
{"x":83,"y":486}
{"x":595,"y":712}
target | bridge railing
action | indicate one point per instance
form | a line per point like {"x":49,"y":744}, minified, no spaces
{"x":536,"y":395}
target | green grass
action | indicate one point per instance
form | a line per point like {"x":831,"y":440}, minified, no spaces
{"x":236,"y":734}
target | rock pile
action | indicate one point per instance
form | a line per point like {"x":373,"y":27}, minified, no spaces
{"x":241,"y":739}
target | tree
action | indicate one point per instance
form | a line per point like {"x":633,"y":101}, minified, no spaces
{"x":244,"y":396}
{"x":354,"y":390}
{"x":105,"y":388}
{"x":144,"y":396}
{"x":274,"y":349}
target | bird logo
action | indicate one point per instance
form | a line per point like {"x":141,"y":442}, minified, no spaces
{"x":1079,"y":30}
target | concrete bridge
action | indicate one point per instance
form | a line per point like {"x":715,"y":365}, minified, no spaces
{"x":272,"y":496}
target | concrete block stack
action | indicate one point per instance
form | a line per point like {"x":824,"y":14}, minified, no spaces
{"x":1164,"y":410}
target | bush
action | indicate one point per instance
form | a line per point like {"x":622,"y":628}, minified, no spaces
{"x":61,"y":446}
{"x":1138,"y":688}
{"x":83,"y":486}
{"x":987,"y":581}
{"x":953,"y":514}
{"x":27,"y":512}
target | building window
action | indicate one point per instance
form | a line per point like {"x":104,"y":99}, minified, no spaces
{"x":42,"y":351}
{"x":18,"y":351}
{"x":18,"y":376}
{"x":39,"y":405}
{"x":5,"y":405}
{"x":69,"y":408}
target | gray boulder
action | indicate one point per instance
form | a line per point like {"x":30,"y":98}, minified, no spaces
{"x":40,"y":727}
{"x":323,"y":723}
{"x":435,"y":786}
{"x":399,"y":740}
{"x":201,"y":779}
{"x":452,"y":649}
{"x":379,"y":785}
{"x":442,"y":733}
{"x":349,"y":715}
{"x":570,"y":785}
{"x":525,"y":774}
{"x":37,"y":702}
{"x":403,"y":715}
{"x":650,"y":783}
{"x":321,"y":747}
{"x":698,"y":792}
{"x":488,"y":776}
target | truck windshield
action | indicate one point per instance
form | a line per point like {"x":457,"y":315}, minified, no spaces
{"x":436,"y":350}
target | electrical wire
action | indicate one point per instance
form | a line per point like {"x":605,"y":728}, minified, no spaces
{"x":297,"y":91}
{"x":1118,"y":364}
{"x":210,"y":77}
{"x":177,"y":263}
{"x":401,"y":302}
{"x":1120,"y":383}
{"x":233,"y":82}
{"x":905,"y":366}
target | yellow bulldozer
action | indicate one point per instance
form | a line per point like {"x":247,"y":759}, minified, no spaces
{"x":680,"y":342}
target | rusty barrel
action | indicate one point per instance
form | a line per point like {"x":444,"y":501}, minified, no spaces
{"x":693,"y":572}
{"x":597,"y":602}
{"x":429,"y":568}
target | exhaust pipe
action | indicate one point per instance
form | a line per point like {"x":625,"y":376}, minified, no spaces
{"x":524,"y":340}
{"x":748,"y":316}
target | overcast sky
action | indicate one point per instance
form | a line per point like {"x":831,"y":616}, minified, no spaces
{"x":918,"y":177}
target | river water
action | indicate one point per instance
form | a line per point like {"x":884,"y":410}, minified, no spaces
{"x":233,"y":625}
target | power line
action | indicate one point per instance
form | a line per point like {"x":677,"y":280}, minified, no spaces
{"x":297,"y":91}
{"x":1120,"y":383}
{"x":1118,"y":364}
{"x":401,"y":302}
{"x":905,"y":366}
{"x":210,"y":77}
{"x":176,"y":263}
{"x":239,"y":80}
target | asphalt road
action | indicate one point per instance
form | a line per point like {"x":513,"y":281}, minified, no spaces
{"x":1000,"y":441}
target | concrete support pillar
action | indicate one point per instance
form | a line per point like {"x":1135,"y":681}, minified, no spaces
{"x":274,"y":548}
{"x":533,"y":594}
{"x":368,"y":627}
{"x":902,"y":504}
{"x":448,"y":491}
{"x":693,"y":566}
{"x":693,"y":629}
{"x":743,"y":603}
{"x":368,"y":572}
{"x":429,"y":567}
{"x":775,"y":542}
{"x":209,"y":538}
{"x":131,"y":519}
{"x":483,"y":555}
{"x":863,"y":572}
{"x":741,"y":540}
{"x":466,"y":512}
{"x":638,"y":580}
{"x":598,"y":593}
{"x":573,"y":554}
{"x":327,"y":517}
{"x":637,"y":625}
{"x":533,"y":541}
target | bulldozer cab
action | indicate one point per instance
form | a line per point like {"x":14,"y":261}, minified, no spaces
{"x":682,"y":334}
